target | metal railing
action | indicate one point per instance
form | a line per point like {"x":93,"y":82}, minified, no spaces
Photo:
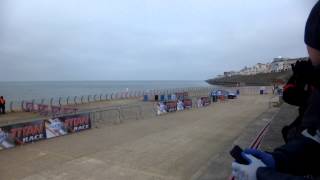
{"x":18,"y":106}
{"x":115,"y":115}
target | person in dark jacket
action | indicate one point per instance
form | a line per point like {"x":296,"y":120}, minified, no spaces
{"x":299,"y":86}
{"x":2,"y":105}
{"x":296,"y":92}
{"x":298,"y":159}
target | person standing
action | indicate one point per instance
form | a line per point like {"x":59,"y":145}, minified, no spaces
{"x":2,"y":105}
{"x":297,"y":159}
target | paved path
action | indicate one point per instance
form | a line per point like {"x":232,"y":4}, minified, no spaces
{"x":172,"y":147}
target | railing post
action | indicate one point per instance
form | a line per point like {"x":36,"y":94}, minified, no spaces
{"x":81,"y":99}
{"x":22,"y":106}
{"x":60,"y":101}
{"x":68,"y":100}
{"x":119,"y":111}
{"x":51,"y":102}
{"x":11,"y":106}
{"x":75,"y":100}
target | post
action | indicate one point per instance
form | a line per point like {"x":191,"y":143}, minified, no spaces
{"x":119,"y":111}
{"x":51,"y":102}
{"x":22,"y":105}
{"x":11,"y":106}
{"x":81,"y":99}
{"x":60,"y":101}
{"x":68,"y":100}
{"x":75,"y":100}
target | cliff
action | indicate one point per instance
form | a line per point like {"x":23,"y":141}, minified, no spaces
{"x":264,"y":79}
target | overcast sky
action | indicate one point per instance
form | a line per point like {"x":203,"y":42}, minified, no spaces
{"x":145,"y":39}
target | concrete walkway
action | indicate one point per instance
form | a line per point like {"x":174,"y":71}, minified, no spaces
{"x":279,"y":117}
{"x":173,"y":147}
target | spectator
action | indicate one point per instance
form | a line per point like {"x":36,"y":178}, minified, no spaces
{"x":296,"y":92}
{"x":298,"y":158}
{"x":180,"y":105}
{"x":2,"y":105}
{"x":300,"y":85}
{"x":199,"y":103}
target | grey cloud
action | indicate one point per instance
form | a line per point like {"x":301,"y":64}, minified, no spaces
{"x":143,"y":39}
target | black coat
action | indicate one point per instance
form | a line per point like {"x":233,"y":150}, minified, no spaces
{"x":301,"y":156}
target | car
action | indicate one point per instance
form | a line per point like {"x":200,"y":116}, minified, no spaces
{"x":232,"y":95}
{"x":226,"y":94}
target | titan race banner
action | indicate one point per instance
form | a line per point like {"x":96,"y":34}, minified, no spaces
{"x":203,"y":102}
{"x":67,"y":124}
{"x":23,"y":133}
{"x":19,"y":134}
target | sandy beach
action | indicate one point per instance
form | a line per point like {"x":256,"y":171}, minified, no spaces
{"x":174,"y":146}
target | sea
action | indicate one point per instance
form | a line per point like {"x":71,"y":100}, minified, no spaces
{"x":19,"y":91}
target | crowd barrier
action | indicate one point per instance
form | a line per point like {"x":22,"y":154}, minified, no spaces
{"x":181,"y":105}
{"x":45,"y":104}
{"x":29,"y":132}
{"x":72,"y":122}
{"x":41,"y":129}
{"x":65,"y":121}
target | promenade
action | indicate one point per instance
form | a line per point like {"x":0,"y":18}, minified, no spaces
{"x":175,"y":146}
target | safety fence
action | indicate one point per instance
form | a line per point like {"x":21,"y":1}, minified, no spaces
{"x":54,"y":105}
{"x":35,"y":104}
{"x":12,"y":135}
{"x":33,"y":130}
{"x":56,"y":125}
{"x":251,"y":90}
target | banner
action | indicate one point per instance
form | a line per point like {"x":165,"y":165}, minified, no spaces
{"x":203,"y":101}
{"x":171,"y":106}
{"x":161,"y":108}
{"x":67,"y":124}
{"x":23,"y":133}
{"x":206,"y":101}
{"x":19,"y":134}
{"x":187,"y":103}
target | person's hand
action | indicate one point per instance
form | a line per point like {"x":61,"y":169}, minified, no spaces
{"x":266,"y":158}
{"x":247,"y":172}
{"x":302,"y":71}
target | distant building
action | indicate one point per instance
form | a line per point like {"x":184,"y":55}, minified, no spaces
{"x":287,"y":64}
{"x":278,"y":64}
{"x":260,"y":68}
{"x":229,"y":74}
{"x":284,"y":64}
